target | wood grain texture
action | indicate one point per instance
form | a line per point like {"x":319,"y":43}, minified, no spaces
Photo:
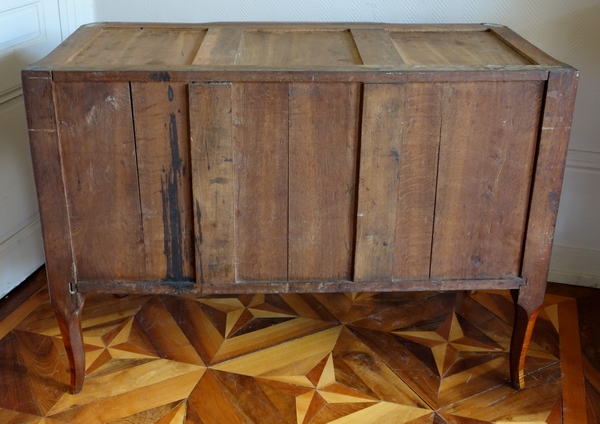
{"x":485,"y":166}
{"x":418,"y":181}
{"x":547,"y":184}
{"x":323,"y":160}
{"x":571,"y":364}
{"x":140,"y":45}
{"x":40,"y":97}
{"x":398,"y":170}
{"x":54,"y":215}
{"x":380,"y":365}
{"x":298,"y":286}
{"x":260,"y":163}
{"x":160,"y":114}
{"x":73,"y":44}
{"x":220,"y":46}
{"x":99,"y":161}
{"x":524,"y":48}
{"x":455,"y":48}
{"x":212,"y":181}
{"x":379,"y":180}
{"x":344,"y":75}
{"x":297,"y":48}
{"x":376,"y":47}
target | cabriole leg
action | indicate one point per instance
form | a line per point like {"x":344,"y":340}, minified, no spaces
{"x":69,"y":322}
{"x":526,"y":313}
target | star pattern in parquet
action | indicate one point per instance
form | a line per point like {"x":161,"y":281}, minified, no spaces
{"x":289,"y":358}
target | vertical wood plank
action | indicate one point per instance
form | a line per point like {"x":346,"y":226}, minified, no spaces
{"x":324,"y":128}
{"x":487,"y":146}
{"x":98,"y":152}
{"x":160,"y":112}
{"x":399,"y":150}
{"x":260,"y":161}
{"x":54,"y":215}
{"x":212,"y":181}
{"x":547,"y":184}
{"x":418,"y":178}
{"x":379,"y":180}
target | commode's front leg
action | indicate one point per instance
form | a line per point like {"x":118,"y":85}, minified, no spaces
{"x":69,"y":320}
{"x":526,"y":312}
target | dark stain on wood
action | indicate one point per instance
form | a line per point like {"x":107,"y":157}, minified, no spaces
{"x":170,"y":95}
{"x":173,"y":243}
{"x":218,"y":180}
{"x":161,"y":76}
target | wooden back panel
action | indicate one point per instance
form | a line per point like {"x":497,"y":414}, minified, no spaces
{"x":225,"y":153}
{"x":282,"y":158}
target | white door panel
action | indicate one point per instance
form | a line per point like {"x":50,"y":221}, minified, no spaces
{"x":29,"y":29}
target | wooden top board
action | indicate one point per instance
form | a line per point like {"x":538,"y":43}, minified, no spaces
{"x":294,"y":47}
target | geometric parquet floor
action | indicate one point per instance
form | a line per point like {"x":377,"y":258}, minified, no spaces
{"x":424,"y":357}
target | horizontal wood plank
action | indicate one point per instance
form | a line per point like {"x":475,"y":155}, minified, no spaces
{"x":299,"y":286}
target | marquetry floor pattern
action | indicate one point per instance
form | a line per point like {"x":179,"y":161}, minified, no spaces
{"x":344,"y":358}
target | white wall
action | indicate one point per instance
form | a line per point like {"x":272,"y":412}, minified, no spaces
{"x":569,"y":30}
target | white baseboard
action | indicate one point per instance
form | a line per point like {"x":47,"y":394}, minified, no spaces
{"x":20,"y":255}
{"x":576,"y":266}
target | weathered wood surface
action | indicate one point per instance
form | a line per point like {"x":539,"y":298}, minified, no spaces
{"x":212,"y":181}
{"x":139,"y":46}
{"x":260,"y":162}
{"x":487,"y":149}
{"x":547,"y":184}
{"x":98,"y":157}
{"x":160,"y":115}
{"x":296,"y":286}
{"x":345,"y":75}
{"x":455,"y":48}
{"x":323,"y":157}
{"x":398,"y":174}
{"x":376,"y":48}
{"x":297,"y":48}
{"x":294,"y":45}
{"x":55,"y":217}
{"x":220,"y":46}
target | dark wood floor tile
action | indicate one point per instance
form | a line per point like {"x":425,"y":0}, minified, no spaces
{"x":47,"y":370}
{"x":149,"y":416}
{"x":219,"y":409}
{"x":16,"y":388}
{"x":249,"y":398}
{"x":431,"y":309}
{"x":592,"y":403}
{"x":8,"y":416}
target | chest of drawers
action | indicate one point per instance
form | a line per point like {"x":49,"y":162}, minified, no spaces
{"x":230,"y":158}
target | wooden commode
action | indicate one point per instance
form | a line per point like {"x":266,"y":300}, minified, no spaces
{"x":234,"y":158}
